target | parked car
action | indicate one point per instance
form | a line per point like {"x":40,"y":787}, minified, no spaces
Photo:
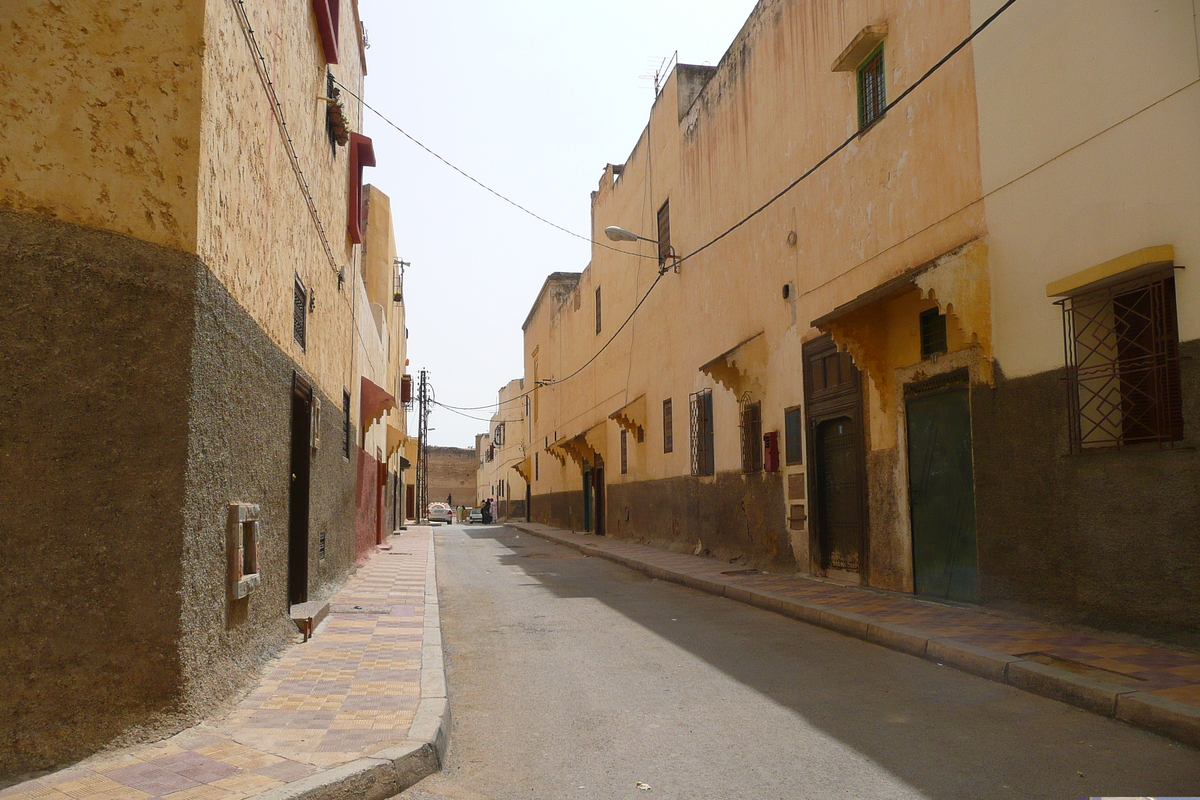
{"x":440,"y":512}
{"x":476,"y":515}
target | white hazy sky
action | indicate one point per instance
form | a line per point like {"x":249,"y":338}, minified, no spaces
{"x":533,"y":98}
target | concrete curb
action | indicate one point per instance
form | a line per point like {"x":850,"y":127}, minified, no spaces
{"x":389,"y":772}
{"x":1174,"y":720}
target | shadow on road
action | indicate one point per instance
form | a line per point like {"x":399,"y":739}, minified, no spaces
{"x":938,"y":730}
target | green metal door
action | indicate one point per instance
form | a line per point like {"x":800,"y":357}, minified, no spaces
{"x":941,"y":487}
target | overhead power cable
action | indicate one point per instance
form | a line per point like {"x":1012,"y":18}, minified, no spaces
{"x":480,"y":183}
{"x":461,"y":414}
{"x":807,"y":173}
{"x":849,"y":140}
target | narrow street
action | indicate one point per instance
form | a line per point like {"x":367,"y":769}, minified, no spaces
{"x":572,"y":677}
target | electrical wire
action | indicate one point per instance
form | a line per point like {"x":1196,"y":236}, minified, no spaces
{"x":851,"y":139}
{"x":461,"y":414}
{"x":807,"y":173}
{"x":480,"y":183}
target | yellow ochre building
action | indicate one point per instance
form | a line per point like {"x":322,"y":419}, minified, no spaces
{"x":955,"y":358}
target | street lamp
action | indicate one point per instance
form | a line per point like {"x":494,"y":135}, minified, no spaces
{"x":616,"y":233}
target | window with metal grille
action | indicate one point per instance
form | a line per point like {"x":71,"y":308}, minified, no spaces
{"x":1122,"y":353}
{"x":752,"y":439}
{"x":536,"y":470}
{"x":668,"y":427}
{"x":703,"y":461}
{"x":624,"y":451}
{"x":933,"y":332}
{"x":346,"y":422}
{"x":872,"y":96}
{"x":598,"y":317}
{"x":299,"y":313}
{"x":792,"y":424}
{"x":664,"y":232}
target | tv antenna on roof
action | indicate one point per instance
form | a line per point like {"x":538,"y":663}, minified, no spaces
{"x":662,"y":72}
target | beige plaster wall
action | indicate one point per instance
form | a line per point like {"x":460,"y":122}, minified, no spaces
{"x":509,"y":455}
{"x":901,"y":196}
{"x":84,"y":140}
{"x":380,"y":336}
{"x":255,"y":231}
{"x":1095,"y":163}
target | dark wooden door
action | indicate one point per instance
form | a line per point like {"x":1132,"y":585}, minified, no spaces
{"x":598,"y":496}
{"x":941,"y":487}
{"x":833,"y":412}
{"x":587,"y":497}
{"x":298,"y":497}
{"x":839,"y":495}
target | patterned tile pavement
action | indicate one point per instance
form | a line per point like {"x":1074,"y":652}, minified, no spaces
{"x":350,"y":691}
{"x":1172,"y":674}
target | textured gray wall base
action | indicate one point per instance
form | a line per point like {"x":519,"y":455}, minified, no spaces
{"x":140,"y":400}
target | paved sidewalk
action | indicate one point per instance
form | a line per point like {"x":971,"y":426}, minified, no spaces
{"x":358,"y":711}
{"x":1153,"y":688}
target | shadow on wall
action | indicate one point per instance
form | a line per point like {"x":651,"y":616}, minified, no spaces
{"x":736,"y":517}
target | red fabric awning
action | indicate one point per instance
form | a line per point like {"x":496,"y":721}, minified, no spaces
{"x":373,"y":402}
{"x":362,"y":154}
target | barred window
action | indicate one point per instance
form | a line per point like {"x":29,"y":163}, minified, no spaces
{"x":624,"y":451}
{"x":598,"y":316}
{"x":668,"y":427}
{"x":872,"y":95}
{"x":752,"y":440}
{"x":664,"y":232}
{"x":299,"y":313}
{"x":703,"y":461}
{"x":933,"y":332}
{"x":1122,"y":353}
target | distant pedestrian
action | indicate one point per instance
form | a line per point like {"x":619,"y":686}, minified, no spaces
{"x":487,"y":512}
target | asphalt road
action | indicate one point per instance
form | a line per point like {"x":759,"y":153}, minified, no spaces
{"x":572,"y":678}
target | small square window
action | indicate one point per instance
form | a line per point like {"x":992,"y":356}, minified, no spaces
{"x":872,"y":93}
{"x":933,"y":333}
{"x":242,"y":537}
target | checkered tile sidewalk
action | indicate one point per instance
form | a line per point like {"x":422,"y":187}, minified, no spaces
{"x":349,"y":692}
{"x":1163,"y":672}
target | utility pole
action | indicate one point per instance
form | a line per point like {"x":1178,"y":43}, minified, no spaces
{"x":423,"y":409}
